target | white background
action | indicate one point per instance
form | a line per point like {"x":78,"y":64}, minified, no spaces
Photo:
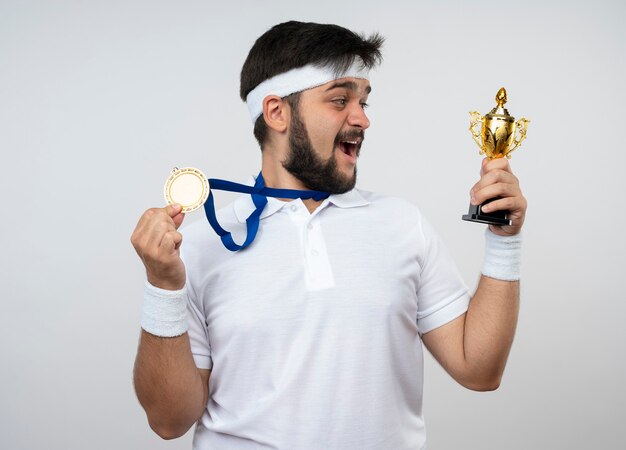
{"x":99,"y":100}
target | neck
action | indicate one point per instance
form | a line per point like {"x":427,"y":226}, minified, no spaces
{"x":276,"y":176}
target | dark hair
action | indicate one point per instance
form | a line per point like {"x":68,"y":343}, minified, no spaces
{"x":293,"y":44}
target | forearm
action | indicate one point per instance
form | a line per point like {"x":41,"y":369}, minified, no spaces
{"x":490,"y":325}
{"x":474,"y":347}
{"x":168,"y":384}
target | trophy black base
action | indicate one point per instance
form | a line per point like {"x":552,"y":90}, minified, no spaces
{"x":476,"y":214}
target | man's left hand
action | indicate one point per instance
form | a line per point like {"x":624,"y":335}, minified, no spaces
{"x":497,"y":180}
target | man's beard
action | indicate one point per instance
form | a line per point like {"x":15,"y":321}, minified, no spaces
{"x":308,"y":167}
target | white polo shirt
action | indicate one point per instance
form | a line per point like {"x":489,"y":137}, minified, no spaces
{"x":313,"y":332}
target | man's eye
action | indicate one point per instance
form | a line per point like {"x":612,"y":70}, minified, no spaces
{"x":340,"y":101}
{"x":365,"y":105}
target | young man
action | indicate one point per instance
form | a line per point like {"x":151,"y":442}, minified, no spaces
{"x":312,"y":337}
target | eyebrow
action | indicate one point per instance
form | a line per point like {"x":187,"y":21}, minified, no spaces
{"x":348,"y":85}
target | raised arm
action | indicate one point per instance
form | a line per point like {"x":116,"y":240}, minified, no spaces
{"x":169,"y":386}
{"x":474,"y":348}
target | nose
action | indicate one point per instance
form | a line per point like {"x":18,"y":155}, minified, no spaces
{"x":358,"y":118}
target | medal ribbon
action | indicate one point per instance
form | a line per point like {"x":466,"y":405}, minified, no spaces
{"x":259,"y":195}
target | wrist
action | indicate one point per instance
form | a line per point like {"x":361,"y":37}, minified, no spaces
{"x":502,"y":259}
{"x":164,"y":311}
{"x":166,"y":284}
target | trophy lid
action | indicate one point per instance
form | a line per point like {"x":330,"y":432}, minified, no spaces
{"x":500,"y":111}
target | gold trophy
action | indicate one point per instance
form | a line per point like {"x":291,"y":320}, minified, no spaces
{"x":498,"y":135}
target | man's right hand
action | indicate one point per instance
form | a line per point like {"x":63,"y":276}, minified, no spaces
{"x":157,"y":242}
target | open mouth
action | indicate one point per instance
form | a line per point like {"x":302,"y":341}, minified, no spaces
{"x":350,"y":148}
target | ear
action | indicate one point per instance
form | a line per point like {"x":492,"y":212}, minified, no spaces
{"x":276,"y":113}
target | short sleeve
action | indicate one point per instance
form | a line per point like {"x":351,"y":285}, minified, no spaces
{"x":442,"y":295}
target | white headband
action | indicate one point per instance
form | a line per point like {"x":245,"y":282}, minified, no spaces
{"x":296,"y":80}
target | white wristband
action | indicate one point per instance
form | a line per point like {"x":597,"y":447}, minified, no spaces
{"x":164,"y":313}
{"x":503,"y":256}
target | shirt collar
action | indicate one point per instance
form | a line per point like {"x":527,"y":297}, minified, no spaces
{"x":244,"y":206}
{"x":350,"y":199}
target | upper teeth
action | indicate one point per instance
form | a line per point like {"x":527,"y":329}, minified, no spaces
{"x":351,"y":142}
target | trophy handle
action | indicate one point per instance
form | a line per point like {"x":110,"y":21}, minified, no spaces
{"x":475,"y":120}
{"x":520,"y":134}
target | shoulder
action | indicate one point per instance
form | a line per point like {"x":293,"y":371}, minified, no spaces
{"x":388,"y":204}
{"x":201,"y":244}
{"x":400,"y":215}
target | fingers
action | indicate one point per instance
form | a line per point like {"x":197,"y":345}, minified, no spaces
{"x":175,"y":212}
{"x":494,"y":183}
{"x":499,"y":184}
{"x":178,"y":219}
{"x":172,"y":210}
{"x":505,"y":204}
{"x":155,"y":224}
{"x":157,"y":242}
{"x":489,"y":165}
{"x":156,"y":231}
{"x":482,"y":167}
{"x":170,"y":243}
{"x":170,"y":214}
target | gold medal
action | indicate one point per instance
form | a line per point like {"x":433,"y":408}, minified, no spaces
{"x":187,"y":187}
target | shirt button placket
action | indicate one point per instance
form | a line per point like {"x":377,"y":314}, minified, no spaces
{"x":319,"y":273}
